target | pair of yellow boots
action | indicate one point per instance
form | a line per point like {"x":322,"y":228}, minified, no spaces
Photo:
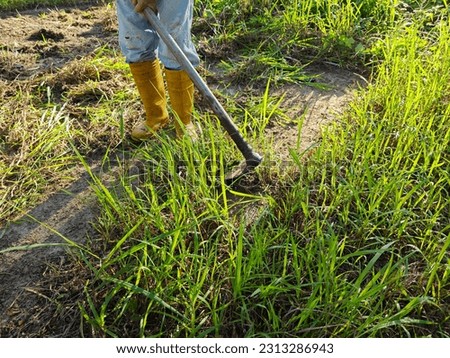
{"x":150,"y":84}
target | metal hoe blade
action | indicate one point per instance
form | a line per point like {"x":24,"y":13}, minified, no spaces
{"x":252,"y":159}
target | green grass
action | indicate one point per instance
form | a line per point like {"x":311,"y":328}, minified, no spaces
{"x":352,"y":242}
{"x":355,"y":246}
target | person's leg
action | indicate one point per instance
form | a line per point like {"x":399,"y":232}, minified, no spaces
{"x":138,"y":42}
{"x":176,"y":16}
{"x":181,"y":94}
{"x":149,"y":81}
{"x":139,"y":45}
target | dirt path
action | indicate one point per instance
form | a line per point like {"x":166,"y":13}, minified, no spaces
{"x":314,"y":106}
{"x":26,"y":289}
{"x":38,"y":290}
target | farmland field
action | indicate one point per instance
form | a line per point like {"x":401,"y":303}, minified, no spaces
{"x":342,"y":231}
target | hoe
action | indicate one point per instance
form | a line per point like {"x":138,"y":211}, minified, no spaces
{"x":252,"y":159}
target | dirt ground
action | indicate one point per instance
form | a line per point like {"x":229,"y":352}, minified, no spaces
{"x":39,"y":288}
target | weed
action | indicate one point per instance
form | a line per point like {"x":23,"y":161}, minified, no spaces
{"x":354,"y":244}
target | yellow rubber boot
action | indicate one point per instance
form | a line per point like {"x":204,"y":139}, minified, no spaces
{"x":181,"y":93}
{"x":150,"y":84}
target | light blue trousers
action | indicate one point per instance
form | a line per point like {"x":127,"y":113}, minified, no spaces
{"x":139,"y":42}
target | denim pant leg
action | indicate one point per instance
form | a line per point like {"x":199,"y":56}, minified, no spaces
{"x":137,"y":41}
{"x":176,"y":16}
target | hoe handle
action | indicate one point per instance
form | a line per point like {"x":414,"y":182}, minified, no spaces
{"x":252,"y":158}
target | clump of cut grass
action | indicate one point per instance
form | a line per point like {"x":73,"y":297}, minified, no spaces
{"x":258,"y":66}
{"x":10,"y":5}
{"x":33,"y":150}
{"x":42,"y":116}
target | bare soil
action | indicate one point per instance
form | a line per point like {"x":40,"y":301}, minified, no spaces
{"x":40,"y":288}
